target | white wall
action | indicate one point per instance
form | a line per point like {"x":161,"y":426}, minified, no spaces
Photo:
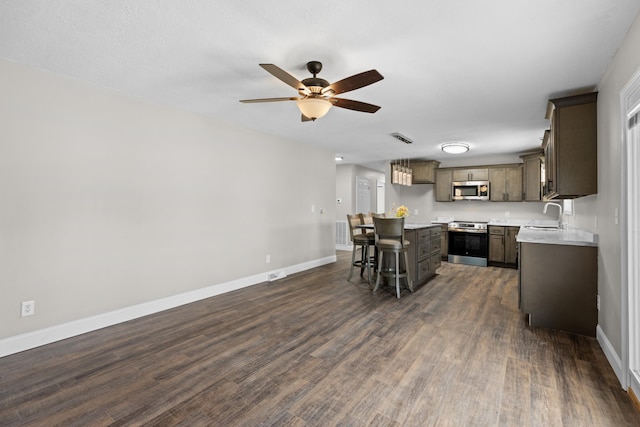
{"x":625,"y":63}
{"x":108,"y":202}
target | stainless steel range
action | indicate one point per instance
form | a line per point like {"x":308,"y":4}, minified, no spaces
{"x":468,"y":243}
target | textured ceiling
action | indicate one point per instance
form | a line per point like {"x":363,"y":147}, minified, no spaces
{"x":464,"y":70}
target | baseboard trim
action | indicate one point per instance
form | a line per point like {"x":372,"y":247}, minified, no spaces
{"x":29,"y":340}
{"x":610,"y":353}
{"x":634,"y":399}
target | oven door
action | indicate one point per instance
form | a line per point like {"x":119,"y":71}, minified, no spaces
{"x":468,"y":247}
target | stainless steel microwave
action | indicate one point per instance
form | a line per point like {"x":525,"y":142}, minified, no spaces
{"x":470,"y":190}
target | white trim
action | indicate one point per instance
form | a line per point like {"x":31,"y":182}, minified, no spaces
{"x":55,"y":333}
{"x":610,"y":353}
{"x":629,"y":98}
{"x":634,"y":384}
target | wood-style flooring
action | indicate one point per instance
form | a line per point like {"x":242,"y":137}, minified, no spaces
{"x":315,"y":350}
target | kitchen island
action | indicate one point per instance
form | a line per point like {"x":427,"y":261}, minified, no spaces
{"x":558,"y":271}
{"x":423,"y":254}
{"x":424,"y":251}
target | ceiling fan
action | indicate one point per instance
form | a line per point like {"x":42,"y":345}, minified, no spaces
{"x":317,"y":95}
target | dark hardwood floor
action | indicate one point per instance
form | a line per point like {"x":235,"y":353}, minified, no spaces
{"x":315,"y":350}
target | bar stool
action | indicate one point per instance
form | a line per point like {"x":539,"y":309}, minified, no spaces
{"x":367,"y":219}
{"x":389,"y":239}
{"x":360,"y":240}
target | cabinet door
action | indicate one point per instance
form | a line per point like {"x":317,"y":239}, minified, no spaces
{"x":443,"y":186}
{"x":496,"y":248}
{"x":506,"y":184}
{"x":549,"y":164}
{"x":424,"y":172}
{"x":479,"y":174}
{"x":532,"y":177}
{"x":513,"y":183}
{"x":461,"y":175}
{"x":475,"y":174}
{"x":497,"y":179}
{"x":511,"y":246}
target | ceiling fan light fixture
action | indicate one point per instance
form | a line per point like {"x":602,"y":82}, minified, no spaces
{"x":455,"y":147}
{"x":313,"y":108}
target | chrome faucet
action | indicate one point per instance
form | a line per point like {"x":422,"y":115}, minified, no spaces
{"x":546,"y":205}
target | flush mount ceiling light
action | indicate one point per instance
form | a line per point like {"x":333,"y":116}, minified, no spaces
{"x":455,"y":147}
{"x":313,"y":108}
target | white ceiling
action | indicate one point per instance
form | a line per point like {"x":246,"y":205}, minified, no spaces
{"x":464,"y":70}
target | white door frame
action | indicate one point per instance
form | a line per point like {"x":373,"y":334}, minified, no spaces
{"x":630,"y":235}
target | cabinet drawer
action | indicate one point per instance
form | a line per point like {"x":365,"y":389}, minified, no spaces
{"x":435,"y":232}
{"x":424,"y":269}
{"x":436,"y":245}
{"x":496,"y":230}
{"x":423,"y":235}
{"x":424,"y":249}
{"x":435,"y":263}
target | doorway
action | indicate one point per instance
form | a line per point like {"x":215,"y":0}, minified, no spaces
{"x":363,"y":195}
{"x":379,"y":196}
{"x":630,"y":232}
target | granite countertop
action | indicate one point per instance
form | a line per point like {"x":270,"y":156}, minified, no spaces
{"x":408,"y":226}
{"x":572,"y":237}
{"x":443,"y":220}
{"x":509,"y":222}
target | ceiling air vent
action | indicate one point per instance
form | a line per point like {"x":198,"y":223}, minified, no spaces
{"x":402,"y":138}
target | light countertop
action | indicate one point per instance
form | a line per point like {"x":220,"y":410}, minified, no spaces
{"x":572,"y":237}
{"x":514,"y":222}
{"x":408,"y":226}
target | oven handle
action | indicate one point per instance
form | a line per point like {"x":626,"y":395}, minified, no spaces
{"x":454,"y":230}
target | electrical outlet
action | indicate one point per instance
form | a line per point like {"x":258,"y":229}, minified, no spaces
{"x":28,"y":308}
{"x":268,"y":259}
{"x":598,"y":302}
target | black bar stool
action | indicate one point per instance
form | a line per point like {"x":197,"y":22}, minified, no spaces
{"x":361,"y":240}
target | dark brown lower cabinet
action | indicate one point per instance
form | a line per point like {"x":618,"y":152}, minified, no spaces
{"x":424,"y":253}
{"x":559,"y":286}
{"x":503,"y":248}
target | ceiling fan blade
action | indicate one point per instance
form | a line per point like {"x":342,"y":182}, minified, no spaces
{"x":305,"y":118}
{"x":291,"y":98}
{"x":354,"y":105}
{"x":286,"y":77}
{"x":354,"y":82}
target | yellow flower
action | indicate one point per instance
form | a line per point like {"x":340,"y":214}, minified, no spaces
{"x":402,"y":211}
